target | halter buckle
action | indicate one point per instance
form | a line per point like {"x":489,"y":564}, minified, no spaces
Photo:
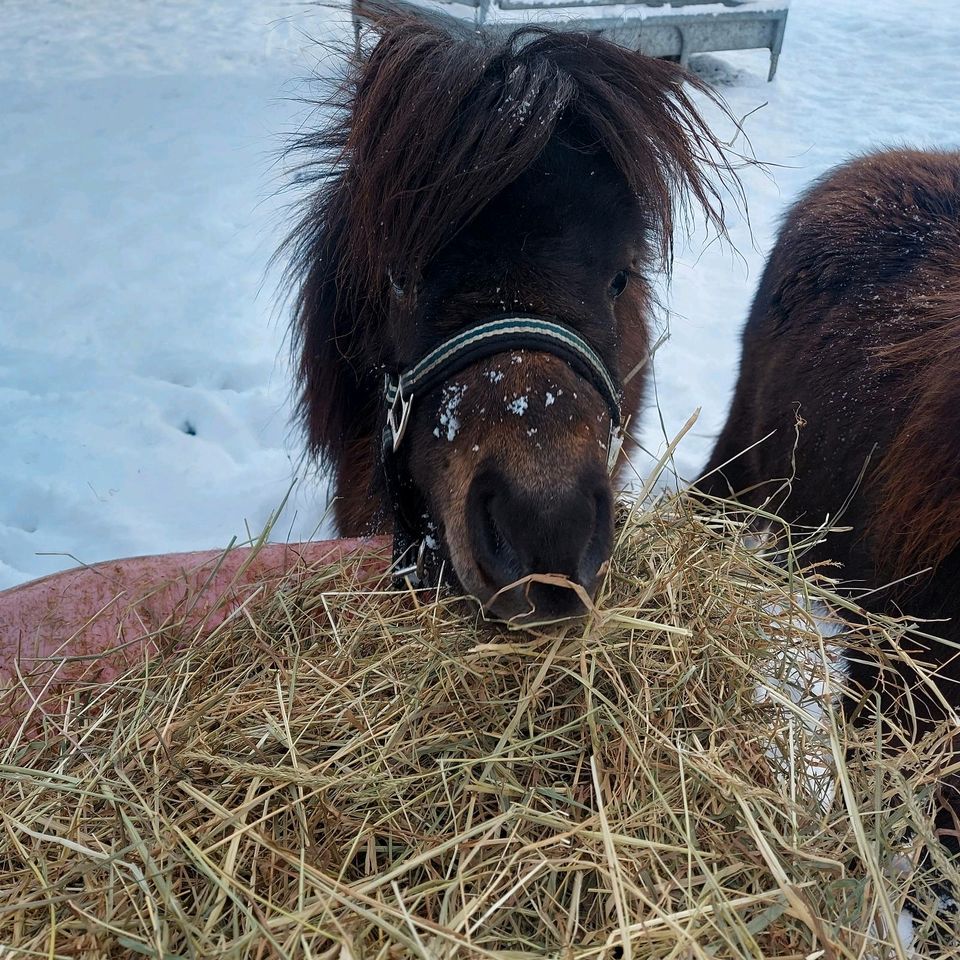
{"x":398,"y":424}
{"x":414,"y":571}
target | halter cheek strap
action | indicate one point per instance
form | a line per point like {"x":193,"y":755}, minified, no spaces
{"x":455,"y":355}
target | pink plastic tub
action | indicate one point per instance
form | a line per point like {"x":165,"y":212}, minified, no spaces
{"x":89,"y":624}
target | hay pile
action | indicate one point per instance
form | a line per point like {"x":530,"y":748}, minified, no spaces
{"x":348,"y":771}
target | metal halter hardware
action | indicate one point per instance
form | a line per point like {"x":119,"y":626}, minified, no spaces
{"x":397,"y":422}
{"x":451,"y":357}
{"x":413,"y":571}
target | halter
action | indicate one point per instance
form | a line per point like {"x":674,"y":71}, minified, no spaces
{"x":453,"y":356}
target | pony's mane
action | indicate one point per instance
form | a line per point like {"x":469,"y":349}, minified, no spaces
{"x":427,"y":126}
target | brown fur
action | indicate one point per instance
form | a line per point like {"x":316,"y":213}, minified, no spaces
{"x":917,"y":523}
{"x":460,"y":177}
{"x":534,"y":452}
{"x":851,"y":360}
{"x":855,"y":328}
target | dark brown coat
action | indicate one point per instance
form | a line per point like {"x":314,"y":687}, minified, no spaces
{"x":459,"y":177}
{"x":849,"y":392}
{"x":851,"y":360}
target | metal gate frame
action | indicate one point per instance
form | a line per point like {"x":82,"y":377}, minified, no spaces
{"x":659,"y":28}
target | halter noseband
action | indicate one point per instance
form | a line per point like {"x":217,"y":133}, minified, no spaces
{"x":455,"y":355}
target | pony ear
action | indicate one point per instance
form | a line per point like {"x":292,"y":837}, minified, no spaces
{"x":335,"y":375}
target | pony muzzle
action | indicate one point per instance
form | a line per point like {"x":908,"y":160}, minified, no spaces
{"x":538,"y":556}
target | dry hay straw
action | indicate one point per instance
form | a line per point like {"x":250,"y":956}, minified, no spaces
{"x":342,"y":770}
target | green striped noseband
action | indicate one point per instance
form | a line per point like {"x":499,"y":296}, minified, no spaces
{"x":499,"y":336}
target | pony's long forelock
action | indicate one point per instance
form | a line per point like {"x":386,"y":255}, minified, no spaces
{"x":433,"y":127}
{"x":427,"y":126}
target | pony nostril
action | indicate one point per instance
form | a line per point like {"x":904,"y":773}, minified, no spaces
{"x":495,"y":554}
{"x":600,"y":546}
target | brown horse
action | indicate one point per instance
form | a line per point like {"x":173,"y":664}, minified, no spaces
{"x":485,"y":217}
{"x":848,"y":401}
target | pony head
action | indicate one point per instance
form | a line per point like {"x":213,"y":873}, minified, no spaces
{"x":460,"y":180}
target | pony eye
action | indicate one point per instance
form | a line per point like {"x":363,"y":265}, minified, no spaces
{"x":619,"y":284}
{"x":397,"y":285}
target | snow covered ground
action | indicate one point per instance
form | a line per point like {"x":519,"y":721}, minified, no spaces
{"x":143,"y":378}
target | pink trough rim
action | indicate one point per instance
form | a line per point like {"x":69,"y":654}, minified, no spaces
{"x":88,"y":624}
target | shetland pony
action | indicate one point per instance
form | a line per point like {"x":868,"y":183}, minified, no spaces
{"x":847,"y":405}
{"x":464,"y":182}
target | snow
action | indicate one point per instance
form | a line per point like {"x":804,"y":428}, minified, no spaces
{"x":449,"y":421}
{"x":905,"y":932}
{"x":143,"y":383}
{"x":805,"y":677}
{"x":144,"y":387}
